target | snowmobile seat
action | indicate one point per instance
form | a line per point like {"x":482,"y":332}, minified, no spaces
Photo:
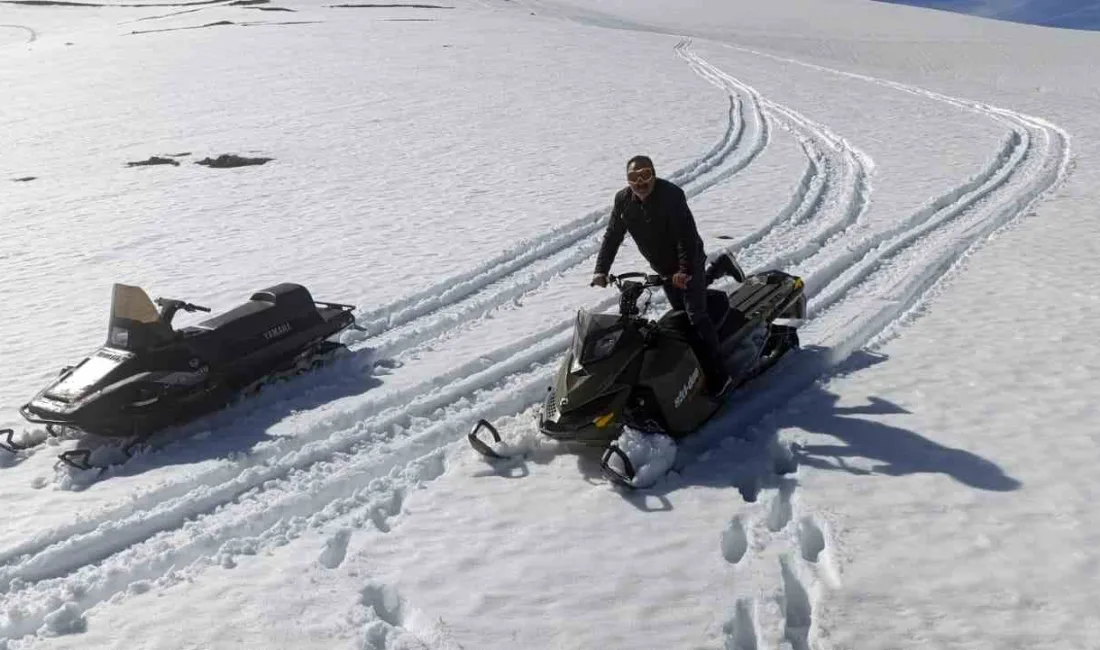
{"x":293,"y":297}
{"x":266,"y":309}
{"x":727,"y":320}
{"x":237,"y":315}
{"x":718,"y":308}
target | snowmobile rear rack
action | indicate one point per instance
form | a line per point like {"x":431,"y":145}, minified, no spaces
{"x":479,"y":445}
{"x":334,"y":305}
{"x":624,"y":478}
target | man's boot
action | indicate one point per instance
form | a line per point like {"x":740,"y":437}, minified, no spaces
{"x":723,"y":265}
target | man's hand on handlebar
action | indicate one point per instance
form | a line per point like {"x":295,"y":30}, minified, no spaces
{"x":599,"y":280}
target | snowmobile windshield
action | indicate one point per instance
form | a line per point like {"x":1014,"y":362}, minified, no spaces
{"x":594,"y":336}
{"x":90,"y":373}
{"x":135,"y":321}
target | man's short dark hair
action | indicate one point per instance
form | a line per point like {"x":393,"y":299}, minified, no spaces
{"x":640,"y":161}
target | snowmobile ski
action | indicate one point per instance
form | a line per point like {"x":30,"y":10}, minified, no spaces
{"x":480,"y":446}
{"x":9,"y":444}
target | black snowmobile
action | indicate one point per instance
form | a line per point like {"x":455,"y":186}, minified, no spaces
{"x":148,"y":375}
{"x":627,"y":370}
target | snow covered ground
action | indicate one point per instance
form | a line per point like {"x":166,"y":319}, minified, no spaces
{"x":447,"y":167}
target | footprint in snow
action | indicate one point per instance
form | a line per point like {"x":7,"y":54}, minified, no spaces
{"x":739,"y":630}
{"x":811,"y":539}
{"x":390,"y":619}
{"x":797,"y":610}
{"x":336,"y":549}
{"x":780,"y":514}
{"x":735,"y":541}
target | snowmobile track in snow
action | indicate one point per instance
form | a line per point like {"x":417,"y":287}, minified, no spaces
{"x":130,"y":544}
{"x":94,"y":561}
{"x":62,"y":560}
{"x":468,"y":297}
{"x":32,"y":35}
{"x":864,"y":288}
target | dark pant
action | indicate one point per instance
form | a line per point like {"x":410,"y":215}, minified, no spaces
{"x":693,"y":300}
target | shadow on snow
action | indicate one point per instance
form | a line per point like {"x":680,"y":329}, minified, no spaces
{"x":751,"y":457}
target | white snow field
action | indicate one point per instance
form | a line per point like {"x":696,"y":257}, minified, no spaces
{"x":920,"y":474}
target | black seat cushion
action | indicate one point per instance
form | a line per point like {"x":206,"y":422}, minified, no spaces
{"x":270,"y":308}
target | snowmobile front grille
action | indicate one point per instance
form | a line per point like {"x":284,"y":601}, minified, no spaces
{"x":550,"y":407}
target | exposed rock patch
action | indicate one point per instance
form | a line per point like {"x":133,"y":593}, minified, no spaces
{"x":390,"y":6}
{"x":232,"y":160}
{"x":154,"y":160}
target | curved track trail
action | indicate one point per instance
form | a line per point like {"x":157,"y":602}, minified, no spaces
{"x":192,"y":518}
{"x":360,"y":459}
{"x":863,"y":287}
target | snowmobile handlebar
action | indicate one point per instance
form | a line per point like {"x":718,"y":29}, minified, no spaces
{"x":649,"y":280}
{"x":630,"y":291}
{"x":179,"y":304}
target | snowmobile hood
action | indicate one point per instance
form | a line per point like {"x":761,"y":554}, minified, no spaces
{"x":98,"y":370}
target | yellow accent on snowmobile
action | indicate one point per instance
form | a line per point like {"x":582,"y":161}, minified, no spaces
{"x":604,"y":420}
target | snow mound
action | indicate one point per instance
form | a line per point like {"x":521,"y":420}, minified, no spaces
{"x":651,"y":454}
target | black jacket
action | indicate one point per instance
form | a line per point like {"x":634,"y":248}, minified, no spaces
{"x":662,"y":226}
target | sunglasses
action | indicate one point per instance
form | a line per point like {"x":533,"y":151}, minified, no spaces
{"x":639,"y":176}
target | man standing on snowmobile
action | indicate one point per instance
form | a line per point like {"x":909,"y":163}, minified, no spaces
{"x":655,"y":213}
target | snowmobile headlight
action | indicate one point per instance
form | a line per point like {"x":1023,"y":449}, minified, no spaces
{"x":601,"y":347}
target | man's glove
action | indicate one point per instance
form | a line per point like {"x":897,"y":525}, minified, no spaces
{"x":680,"y":280}
{"x":599,"y":280}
